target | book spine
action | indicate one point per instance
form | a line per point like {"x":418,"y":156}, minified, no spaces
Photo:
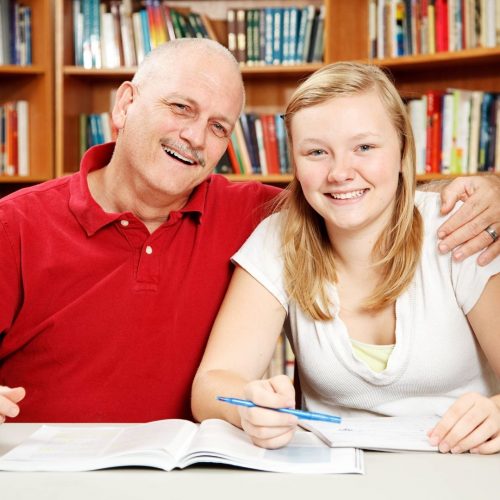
{"x":23,"y":138}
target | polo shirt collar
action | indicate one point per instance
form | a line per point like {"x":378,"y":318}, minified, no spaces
{"x":92,"y":217}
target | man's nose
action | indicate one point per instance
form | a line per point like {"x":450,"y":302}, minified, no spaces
{"x":194,"y":132}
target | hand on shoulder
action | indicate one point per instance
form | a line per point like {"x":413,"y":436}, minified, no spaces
{"x":475,"y":226}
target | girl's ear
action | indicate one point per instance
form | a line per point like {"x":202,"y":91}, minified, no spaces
{"x":125,"y":96}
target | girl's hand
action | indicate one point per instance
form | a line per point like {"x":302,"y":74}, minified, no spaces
{"x":267,"y":428}
{"x":472,"y":424}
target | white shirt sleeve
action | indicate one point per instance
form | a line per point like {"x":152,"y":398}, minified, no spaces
{"x":260,"y":256}
{"x":468,"y":277}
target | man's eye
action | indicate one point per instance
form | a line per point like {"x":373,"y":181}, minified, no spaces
{"x":180,"y":107}
{"x":219,"y":130}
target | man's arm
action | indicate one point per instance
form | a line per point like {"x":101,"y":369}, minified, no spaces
{"x":466,"y":229}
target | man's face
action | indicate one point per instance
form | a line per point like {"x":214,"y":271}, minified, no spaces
{"x":178,"y":123}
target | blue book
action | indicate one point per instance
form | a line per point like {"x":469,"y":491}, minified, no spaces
{"x":245,"y":127}
{"x":269,"y":33}
{"x":278,"y":35}
{"x":251,"y":117}
{"x":485,"y":131}
{"x":292,"y":47}
{"x":282,"y":145}
{"x":146,"y":39}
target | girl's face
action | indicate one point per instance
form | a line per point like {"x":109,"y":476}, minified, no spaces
{"x":347,"y":158}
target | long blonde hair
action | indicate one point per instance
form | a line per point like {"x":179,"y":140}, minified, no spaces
{"x":308,"y":255}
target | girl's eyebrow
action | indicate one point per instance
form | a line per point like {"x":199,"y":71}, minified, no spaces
{"x":363,"y":135}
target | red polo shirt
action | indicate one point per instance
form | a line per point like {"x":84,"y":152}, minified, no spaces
{"x":101,"y":321}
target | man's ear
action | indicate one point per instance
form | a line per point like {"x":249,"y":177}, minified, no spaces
{"x":124,"y":98}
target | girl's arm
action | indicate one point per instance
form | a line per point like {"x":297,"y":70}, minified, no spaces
{"x":472,"y":423}
{"x":239,"y":350}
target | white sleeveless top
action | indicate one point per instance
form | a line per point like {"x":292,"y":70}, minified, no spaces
{"x":436,"y":357}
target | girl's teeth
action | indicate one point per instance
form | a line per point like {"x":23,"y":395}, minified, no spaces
{"x":347,"y":196}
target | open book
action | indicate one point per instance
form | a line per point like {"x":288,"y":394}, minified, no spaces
{"x":169,"y":444}
{"x":377,"y":433}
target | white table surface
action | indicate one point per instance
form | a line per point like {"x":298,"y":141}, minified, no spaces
{"x":405,"y":476}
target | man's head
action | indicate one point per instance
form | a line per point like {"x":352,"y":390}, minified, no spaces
{"x":176,"y":116}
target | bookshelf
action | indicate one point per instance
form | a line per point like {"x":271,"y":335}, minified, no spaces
{"x":58,"y":91}
{"x":35,"y":84}
{"x":79,"y":90}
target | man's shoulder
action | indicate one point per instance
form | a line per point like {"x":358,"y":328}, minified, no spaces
{"x":34,"y":197}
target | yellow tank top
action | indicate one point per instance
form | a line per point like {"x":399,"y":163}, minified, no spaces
{"x":374,"y":356}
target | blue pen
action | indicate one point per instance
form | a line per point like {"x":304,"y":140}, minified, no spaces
{"x":305,"y":415}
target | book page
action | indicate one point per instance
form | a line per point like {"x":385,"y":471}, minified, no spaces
{"x":377,"y":433}
{"x":220,"y":442}
{"x":155,"y":444}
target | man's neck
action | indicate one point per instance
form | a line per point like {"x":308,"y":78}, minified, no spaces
{"x":115,"y":193}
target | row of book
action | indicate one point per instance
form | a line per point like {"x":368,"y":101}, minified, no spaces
{"x":14,"y":141}
{"x":409,"y":27}
{"x":113,"y":34}
{"x":95,"y":128}
{"x":15,"y":33}
{"x":258,"y":146}
{"x":456,"y":132}
{"x":276,"y":35}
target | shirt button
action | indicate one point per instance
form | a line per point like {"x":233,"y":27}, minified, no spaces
{"x":149,"y":250}
{"x":124,"y":223}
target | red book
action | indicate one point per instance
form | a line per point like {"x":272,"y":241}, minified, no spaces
{"x":270,"y":144}
{"x":235,"y":164}
{"x":441,"y":25}
{"x":434,"y":122}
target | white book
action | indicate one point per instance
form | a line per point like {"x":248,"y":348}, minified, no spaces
{"x":110,"y":51}
{"x":475,"y":126}
{"x":259,"y":134}
{"x":139,"y":42}
{"x":381,"y":29}
{"x":463,"y":137}
{"x":170,"y":444}
{"x":377,"y":433}
{"x":127,"y":32}
{"x":417,"y":109}
{"x":23,"y":162}
{"x":447,"y":133}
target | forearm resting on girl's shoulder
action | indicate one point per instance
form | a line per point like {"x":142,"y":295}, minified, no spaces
{"x":473,"y":227}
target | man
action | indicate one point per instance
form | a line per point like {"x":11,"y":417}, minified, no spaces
{"x":110,"y":279}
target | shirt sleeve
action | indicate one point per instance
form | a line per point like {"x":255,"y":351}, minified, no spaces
{"x":470,"y":279}
{"x":9,"y":279}
{"x":260,"y":256}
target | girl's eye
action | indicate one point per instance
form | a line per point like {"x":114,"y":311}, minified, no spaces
{"x":365,"y":147}
{"x":316,"y":152}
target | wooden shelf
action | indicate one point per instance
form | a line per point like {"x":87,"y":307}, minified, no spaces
{"x":442,"y":59}
{"x":268,"y":179}
{"x":58,"y":91}
{"x":14,"y":70}
{"x":29,"y":179}
{"x":35,"y":84}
